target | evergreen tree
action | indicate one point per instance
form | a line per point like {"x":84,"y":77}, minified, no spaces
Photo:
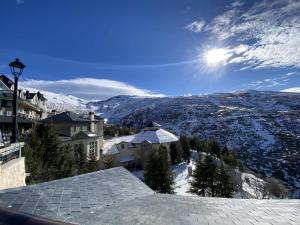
{"x":199,"y":183}
{"x":173,"y":152}
{"x":46,"y":158}
{"x":186,"y":148}
{"x":224,"y":185}
{"x":211,"y":169}
{"x":108,"y":161}
{"x":157,"y":171}
{"x":82,"y":159}
{"x":93,"y":163}
{"x":215,"y":148}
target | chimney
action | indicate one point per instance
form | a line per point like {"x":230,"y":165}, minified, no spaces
{"x":92,"y":123}
{"x":53,"y":112}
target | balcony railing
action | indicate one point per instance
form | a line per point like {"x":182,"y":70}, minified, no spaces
{"x":10,"y":152}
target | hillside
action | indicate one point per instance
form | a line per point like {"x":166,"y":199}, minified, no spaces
{"x":62,"y":102}
{"x":264,"y":127}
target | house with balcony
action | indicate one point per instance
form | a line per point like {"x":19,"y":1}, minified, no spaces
{"x":31,"y":107}
{"x":130,"y":151}
{"x":79,"y":131}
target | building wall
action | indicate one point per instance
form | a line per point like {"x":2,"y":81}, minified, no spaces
{"x":139,"y":151}
{"x":86,"y":145}
{"x":12,"y":174}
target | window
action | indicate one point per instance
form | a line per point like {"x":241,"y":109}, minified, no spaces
{"x":122,"y":146}
{"x":93,"y":147}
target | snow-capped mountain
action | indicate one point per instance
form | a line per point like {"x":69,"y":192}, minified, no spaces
{"x":62,"y":102}
{"x":264,"y":127}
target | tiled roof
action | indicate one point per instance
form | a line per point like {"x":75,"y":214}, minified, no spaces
{"x":66,"y":116}
{"x":114,"y":197}
{"x":181,"y":210}
{"x":83,"y":194}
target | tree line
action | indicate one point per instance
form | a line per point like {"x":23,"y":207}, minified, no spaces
{"x":217,"y":170}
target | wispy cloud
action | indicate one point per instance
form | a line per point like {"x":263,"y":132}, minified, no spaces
{"x":196,"y":26}
{"x":294,"y":89}
{"x":88,"y":88}
{"x":272,"y":82}
{"x":20,"y":1}
{"x":269,"y":29}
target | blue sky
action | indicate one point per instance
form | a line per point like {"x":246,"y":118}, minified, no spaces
{"x":96,"y":49}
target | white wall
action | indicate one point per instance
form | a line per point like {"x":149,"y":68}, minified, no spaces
{"x":12,"y":174}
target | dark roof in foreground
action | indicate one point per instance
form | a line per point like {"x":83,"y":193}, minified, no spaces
{"x":83,"y":194}
{"x":116,"y":197}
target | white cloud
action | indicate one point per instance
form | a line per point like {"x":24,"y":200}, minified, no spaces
{"x":272,"y":28}
{"x":196,"y":26}
{"x":294,"y":89}
{"x":272,"y":82}
{"x":88,"y":88}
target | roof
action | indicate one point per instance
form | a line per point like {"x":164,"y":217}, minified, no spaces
{"x":8,"y":82}
{"x":179,"y":210}
{"x":66,"y":116}
{"x":63,"y":199}
{"x":152,"y":124}
{"x":84,"y":135}
{"x":115,"y":196}
{"x":157,"y":136}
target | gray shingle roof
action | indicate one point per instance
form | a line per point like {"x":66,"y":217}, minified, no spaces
{"x":63,"y":199}
{"x":181,"y":210}
{"x":66,"y":117}
{"x":114,"y":197}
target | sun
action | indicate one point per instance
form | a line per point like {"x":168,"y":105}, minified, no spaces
{"x":217,"y":56}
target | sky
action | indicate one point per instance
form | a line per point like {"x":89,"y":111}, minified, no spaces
{"x":97,"y":49}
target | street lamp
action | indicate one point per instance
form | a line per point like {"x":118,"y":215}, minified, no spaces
{"x":16,"y":68}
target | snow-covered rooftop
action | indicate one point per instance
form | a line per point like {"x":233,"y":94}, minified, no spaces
{"x":157,"y":136}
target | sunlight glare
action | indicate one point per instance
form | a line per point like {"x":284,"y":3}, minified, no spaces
{"x":215,"y":57}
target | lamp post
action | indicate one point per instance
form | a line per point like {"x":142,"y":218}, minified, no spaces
{"x":16,"y":68}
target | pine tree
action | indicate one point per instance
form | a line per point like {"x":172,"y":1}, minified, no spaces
{"x":108,"y":161}
{"x":173,"y":153}
{"x":93,"y":163}
{"x":186,"y":148}
{"x":211,"y":174}
{"x":47,"y":159}
{"x":224,"y":185}
{"x":82,"y":160}
{"x":199,"y":183}
{"x":157,"y":171}
{"x":215,"y":148}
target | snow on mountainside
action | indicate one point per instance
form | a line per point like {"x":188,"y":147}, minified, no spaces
{"x":263,"y":126}
{"x":62,"y":102}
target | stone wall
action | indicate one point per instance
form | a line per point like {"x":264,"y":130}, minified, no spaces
{"x":12,"y":174}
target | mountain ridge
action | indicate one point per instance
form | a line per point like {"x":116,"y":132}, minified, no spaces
{"x":263,"y":126}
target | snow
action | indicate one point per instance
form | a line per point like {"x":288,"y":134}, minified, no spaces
{"x":62,"y":102}
{"x":251,"y":184}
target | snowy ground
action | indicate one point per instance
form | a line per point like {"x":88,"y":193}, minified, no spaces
{"x":250,"y":182}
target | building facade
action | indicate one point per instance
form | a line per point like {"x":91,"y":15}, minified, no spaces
{"x":79,"y":131}
{"x":31,"y":107}
{"x":131,"y":150}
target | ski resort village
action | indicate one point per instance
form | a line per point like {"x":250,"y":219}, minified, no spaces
{"x":153,"y":112}
{"x":77,"y":167}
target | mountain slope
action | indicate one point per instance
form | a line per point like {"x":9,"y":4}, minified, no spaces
{"x":62,"y":102}
{"x":264,"y":127}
